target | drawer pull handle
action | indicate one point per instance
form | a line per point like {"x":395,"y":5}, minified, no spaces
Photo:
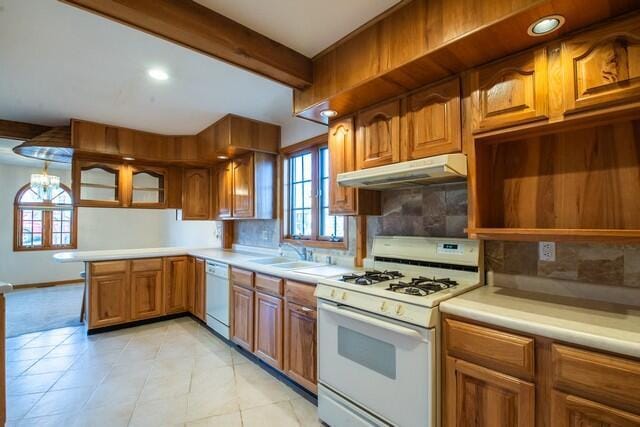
{"x":306,"y":309}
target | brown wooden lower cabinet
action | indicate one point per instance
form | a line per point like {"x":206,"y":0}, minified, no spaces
{"x":242,"y":324}
{"x":484,"y":397}
{"x":268,"y":329}
{"x":147,"y":288}
{"x":197,"y":287}
{"x":108,"y":294}
{"x":176,"y":277}
{"x":508,"y":378}
{"x":300,"y":349}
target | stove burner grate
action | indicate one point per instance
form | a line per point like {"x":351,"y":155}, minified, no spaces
{"x":371,"y":277}
{"x":422,"y":286}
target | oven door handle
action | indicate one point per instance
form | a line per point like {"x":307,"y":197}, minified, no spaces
{"x":391,"y":327}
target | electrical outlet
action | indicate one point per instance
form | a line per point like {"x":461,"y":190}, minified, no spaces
{"x":547,"y":251}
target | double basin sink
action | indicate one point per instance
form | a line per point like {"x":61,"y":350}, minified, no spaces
{"x":285,"y":263}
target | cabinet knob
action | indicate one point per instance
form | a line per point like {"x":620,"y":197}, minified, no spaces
{"x":306,"y":309}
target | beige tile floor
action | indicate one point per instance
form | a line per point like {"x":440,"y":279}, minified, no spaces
{"x":172,"y":373}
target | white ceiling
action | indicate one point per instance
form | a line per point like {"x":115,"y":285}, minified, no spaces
{"x":58,"y":62}
{"x":307,"y":26}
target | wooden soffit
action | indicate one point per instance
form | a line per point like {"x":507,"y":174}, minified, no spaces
{"x":426,"y":40}
{"x":20,"y":130}
{"x":192,"y":25}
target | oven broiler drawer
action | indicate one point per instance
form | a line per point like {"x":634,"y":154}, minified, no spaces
{"x":337,"y":411}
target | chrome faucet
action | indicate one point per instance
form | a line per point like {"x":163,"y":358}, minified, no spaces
{"x":303,"y":252}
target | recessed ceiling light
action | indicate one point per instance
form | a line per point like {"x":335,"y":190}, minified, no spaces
{"x":223,"y":157}
{"x":545,"y":25}
{"x":128,"y":159}
{"x":158,"y":74}
{"x":328,"y":113}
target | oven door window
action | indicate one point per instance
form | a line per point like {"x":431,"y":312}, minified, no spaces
{"x":379,"y":356}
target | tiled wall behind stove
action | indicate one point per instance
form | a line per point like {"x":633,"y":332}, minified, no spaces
{"x":435,"y":210}
{"x":603,"y":264}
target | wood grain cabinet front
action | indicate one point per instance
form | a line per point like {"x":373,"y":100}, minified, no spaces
{"x":223,"y":184}
{"x":197,"y":287}
{"x":572,"y":411}
{"x":176,"y":271}
{"x":268,"y":329}
{"x":431,"y":123}
{"x":300,"y":346}
{"x":242,"y":317}
{"x":108,"y":299}
{"x":243,"y":186}
{"x":482,"y":397}
{"x":510,"y":92}
{"x":378,"y":135}
{"x":196,"y":194}
{"x":342,"y":158}
{"x":601,"y":68}
{"x":147,"y":288}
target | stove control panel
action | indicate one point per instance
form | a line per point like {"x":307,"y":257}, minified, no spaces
{"x":417,"y":315}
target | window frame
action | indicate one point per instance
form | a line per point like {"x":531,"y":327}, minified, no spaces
{"x":313,"y":147}
{"x":47,"y":208}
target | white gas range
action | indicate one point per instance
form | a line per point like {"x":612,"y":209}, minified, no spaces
{"x":378,"y":331}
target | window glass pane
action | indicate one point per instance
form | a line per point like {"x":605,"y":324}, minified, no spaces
{"x":66,"y":227}
{"x":307,"y":222}
{"x":37,"y":240}
{"x":297,"y":202}
{"x":26,"y":239}
{"x":27,"y":215}
{"x":62,"y":198}
{"x":57,"y":239}
{"x":306,"y":166}
{"x":307,"y":194}
{"x":30,"y":196}
{"x":57,"y":226}
{"x":37,"y":215}
{"x":325,"y":193}
{"x":324,"y":162}
{"x":297,"y":169}
{"x":57,"y":215}
{"x":66,"y":239}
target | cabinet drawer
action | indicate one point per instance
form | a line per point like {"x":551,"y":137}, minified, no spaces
{"x":151,"y":264}
{"x":269,"y":284}
{"x":242,"y":277}
{"x":301,"y":293}
{"x":108,"y":267}
{"x":498,"y":350}
{"x":607,"y":378}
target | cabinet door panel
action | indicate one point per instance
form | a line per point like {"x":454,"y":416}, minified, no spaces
{"x":300,"y":357}
{"x":481,"y":397}
{"x":108,"y":300}
{"x":268,"y":329}
{"x":176,"y":284}
{"x":602,"y":67}
{"x":378,"y":138}
{"x":195,"y":194}
{"x":199,"y":303}
{"x":224,"y":190}
{"x":572,"y":411}
{"x":243,"y":195}
{"x":433,"y":121}
{"x":146,"y":294}
{"x":510,"y":92}
{"x":342,"y":200}
{"x":242,"y":321}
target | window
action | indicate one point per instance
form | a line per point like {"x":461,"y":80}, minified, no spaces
{"x":306,"y":201}
{"x":44,"y":224}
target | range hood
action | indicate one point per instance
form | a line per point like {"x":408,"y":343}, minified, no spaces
{"x":431,"y":170}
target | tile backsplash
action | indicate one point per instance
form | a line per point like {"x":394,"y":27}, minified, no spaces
{"x":596,"y":263}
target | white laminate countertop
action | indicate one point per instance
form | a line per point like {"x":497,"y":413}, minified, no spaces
{"x":5,"y":287}
{"x":241,"y":259}
{"x":600,"y":325}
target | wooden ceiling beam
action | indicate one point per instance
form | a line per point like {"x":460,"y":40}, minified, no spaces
{"x":19,"y":130}
{"x":194,"y":26}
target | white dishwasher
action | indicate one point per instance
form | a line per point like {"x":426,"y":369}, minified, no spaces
{"x":218,"y":297}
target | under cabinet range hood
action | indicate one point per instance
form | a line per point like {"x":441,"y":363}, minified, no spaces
{"x":431,"y":170}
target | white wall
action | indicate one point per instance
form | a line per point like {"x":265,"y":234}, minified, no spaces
{"x":98,"y":228}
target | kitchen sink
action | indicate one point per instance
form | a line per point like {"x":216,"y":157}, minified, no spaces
{"x":296,"y":265}
{"x":272,"y":260}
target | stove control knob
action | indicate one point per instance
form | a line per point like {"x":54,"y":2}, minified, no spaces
{"x":344,"y":296}
{"x":399,"y":310}
{"x":383,"y":306}
{"x":333,"y":293}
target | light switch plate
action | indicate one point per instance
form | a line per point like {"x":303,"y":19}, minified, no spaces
{"x":547,"y":251}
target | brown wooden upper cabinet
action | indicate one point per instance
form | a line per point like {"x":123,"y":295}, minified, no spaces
{"x":97,"y":184}
{"x":345,"y":200}
{"x":509,"y":92}
{"x":378,"y":135}
{"x":431,"y":123}
{"x":196,"y":194}
{"x":245,"y":187}
{"x":234,"y":135}
{"x":602,"y":67}
{"x":148,"y":187}
{"x":222,"y":182}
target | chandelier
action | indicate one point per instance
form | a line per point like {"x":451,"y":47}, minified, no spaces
{"x":44,"y":184}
